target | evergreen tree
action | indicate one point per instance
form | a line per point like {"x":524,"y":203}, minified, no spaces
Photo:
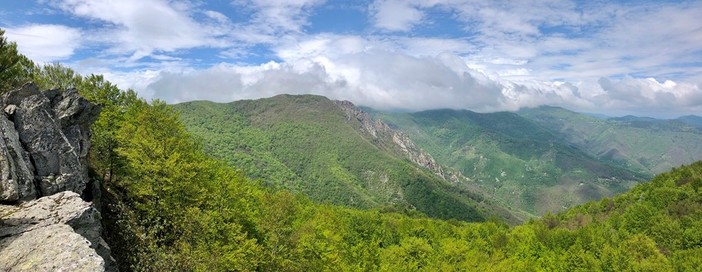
{"x":15,"y":68}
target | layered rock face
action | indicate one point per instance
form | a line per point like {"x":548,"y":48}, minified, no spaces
{"x":44,"y":142}
{"x":400,"y":141}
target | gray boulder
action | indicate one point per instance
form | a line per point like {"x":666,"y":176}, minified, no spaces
{"x":57,"y":232}
{"x":44,"y":142}
{"x":51,"y":248}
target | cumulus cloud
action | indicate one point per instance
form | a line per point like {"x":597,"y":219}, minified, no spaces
{"x":379,"y":79}
{"x":45,"y":42}
{"x":143,"y":28}
{"x":648,"y":94}
{"x":394,"y":15}
{"x":392,"y":80}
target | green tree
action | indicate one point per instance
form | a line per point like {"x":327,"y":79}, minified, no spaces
{"x":412,"y":254}
{"x":15,"y":68}
{"x":56,"y":76}
{"x":114,"y":106}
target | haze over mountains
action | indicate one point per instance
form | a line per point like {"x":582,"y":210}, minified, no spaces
{"x":649,"y":145}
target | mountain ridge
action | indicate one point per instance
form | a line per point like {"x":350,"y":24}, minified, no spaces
{"x":651,"y":147}
{"x":511,"y":157}
{"x":315,"y":140}
{"x":574,"y":176}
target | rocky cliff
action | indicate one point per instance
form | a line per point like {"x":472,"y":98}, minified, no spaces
{"x":44,"y":142}
{"x":398,"y":141}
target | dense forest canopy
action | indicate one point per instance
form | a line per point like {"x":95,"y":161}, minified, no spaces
{"x":168,"y":206}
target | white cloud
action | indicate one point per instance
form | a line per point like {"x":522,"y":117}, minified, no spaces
{"x":352,"y":68}
{"x":504,"y":55}
{"x":272,"y":19}
{"x":395,"y":15}
{"x":141,"y":28}
{"x":45,"y":43}
{"x":648,"y":94}
{"x":379,"y":79}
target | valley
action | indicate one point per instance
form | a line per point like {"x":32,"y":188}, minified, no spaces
{"x":646,"y":145}
{"x":511,"y":165}
{"x":524,"y":165}
{"x":331,"y":153}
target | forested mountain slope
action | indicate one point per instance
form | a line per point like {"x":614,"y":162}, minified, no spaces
{"x":692,"y":120}
{"x":234,"y":224}
{"x":321,"y":148}
{"x":649,"y":145}
{"x":522,"y":164}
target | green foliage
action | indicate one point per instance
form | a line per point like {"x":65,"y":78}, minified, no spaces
{"x":15,"y":68}
{"x":56,"y":76}
{"x":507,"y":156}
{"x":305,"y":144}
{"x":242,"y":226}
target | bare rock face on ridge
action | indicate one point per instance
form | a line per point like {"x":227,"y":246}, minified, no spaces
{"x":57,"y":232}
{"x":401,"y":143}
{"x":45,"y":142}
{"x":16,"y":170}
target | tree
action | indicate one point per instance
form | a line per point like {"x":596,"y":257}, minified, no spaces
{"x":56,"y":76}
{"x":114,"y":105}
{"x":412,"y":254}
{"x":15,"y":68}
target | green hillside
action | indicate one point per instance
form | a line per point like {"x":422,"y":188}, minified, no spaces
{"x":208,"y":218}
{"x":177,"y":209}
{"x":692,"y":120}
{"x":505,"y":155}
{"x":306,"y":144}
{"x":638,"y":143}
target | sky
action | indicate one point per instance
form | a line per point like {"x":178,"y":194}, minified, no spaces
{"x":609,"y":57}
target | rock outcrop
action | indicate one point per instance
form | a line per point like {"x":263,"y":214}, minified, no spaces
{"x":44,"y":142}
{"x":400,"y":142}
{"x":57,"y":232}
{"x":16,"y":170}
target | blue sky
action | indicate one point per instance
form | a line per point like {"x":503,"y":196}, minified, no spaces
{"x":627,"y":57}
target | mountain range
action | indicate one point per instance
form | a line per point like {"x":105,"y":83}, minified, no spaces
{"x":333,"y":153}
{"x":444,"y":163}
{"x":304,"y":183}
{"x":645,"y":145}
{"x":505,"y":155}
